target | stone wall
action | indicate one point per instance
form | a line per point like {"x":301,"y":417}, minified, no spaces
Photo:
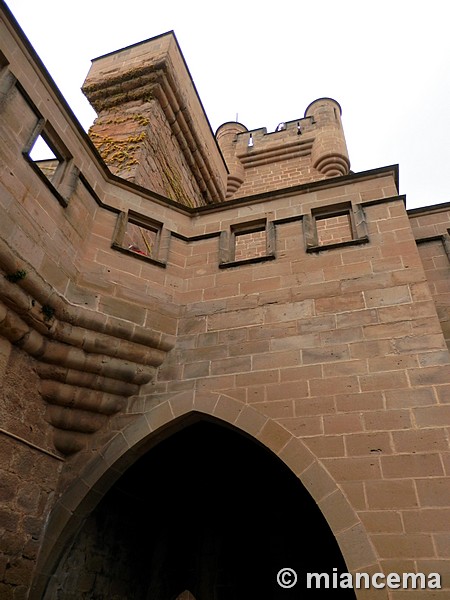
{"x":30,"y":471}
{"x":432,"y":231}
{"x":328,"y":351}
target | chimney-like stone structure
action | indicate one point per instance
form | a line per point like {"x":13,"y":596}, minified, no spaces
{"x":151,"y":128}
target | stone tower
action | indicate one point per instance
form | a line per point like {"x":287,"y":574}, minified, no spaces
{"x":205,"y":337}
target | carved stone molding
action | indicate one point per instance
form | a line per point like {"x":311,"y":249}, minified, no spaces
{"x":159,"y":73}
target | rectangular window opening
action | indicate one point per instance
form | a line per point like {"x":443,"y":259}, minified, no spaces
{"x":141,"y":239}
{"x":51,"y":160}
{"x":250,"y":244}
{"x":334,"y":229}
{"x":45,"y":157}
{"x":331,"y":227}
{"x":141,"y":236}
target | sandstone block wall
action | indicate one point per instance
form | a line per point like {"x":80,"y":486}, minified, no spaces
{"x":431,"y":228}
{"x":311,"y":316}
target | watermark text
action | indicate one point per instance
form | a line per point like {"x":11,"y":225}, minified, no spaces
{"x":287,"y":578}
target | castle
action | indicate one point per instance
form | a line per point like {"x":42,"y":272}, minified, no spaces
{"x":220,"y":355}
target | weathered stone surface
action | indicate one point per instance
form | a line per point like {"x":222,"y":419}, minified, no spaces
{"x":272,"y":315}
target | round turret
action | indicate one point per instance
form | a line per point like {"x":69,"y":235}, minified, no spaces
{"x":329,"y":153}
{"x":226,"y":136}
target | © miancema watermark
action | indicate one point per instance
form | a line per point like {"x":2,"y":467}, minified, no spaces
{"x":287,"y":578}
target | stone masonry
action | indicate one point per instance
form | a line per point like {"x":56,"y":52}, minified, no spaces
{"x":153,"y":275}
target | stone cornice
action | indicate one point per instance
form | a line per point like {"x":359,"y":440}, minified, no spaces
{"x":287,"y":151}
{"x":180,"y":121}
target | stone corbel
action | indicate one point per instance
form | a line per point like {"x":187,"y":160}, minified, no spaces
{"x":87,"y":367}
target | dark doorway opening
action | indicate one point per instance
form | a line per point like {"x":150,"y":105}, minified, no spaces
{"x":206,"y":510}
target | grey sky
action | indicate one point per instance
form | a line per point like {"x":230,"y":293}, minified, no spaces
{"x":387,"y":64}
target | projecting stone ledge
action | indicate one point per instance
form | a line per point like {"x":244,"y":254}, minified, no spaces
{"x":89,"y":363}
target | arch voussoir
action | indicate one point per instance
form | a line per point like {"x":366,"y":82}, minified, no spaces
{"x":171,"y":415}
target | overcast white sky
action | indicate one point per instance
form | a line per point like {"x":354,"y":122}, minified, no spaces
{"x":387,"y":63}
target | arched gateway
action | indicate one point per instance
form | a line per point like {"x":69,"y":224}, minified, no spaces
{"x":194,"y":497}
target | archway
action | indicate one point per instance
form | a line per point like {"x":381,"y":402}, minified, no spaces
{"x":206,"y":510}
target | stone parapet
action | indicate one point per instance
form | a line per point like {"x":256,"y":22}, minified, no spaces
{"x":297,"y":152}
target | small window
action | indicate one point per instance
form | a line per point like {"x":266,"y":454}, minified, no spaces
{"x":139,"y":235}
{"x":334,"y":226}
{"x":446,"y":242}
{"x":253,"y":241}
{"x":141,"y":239}
{"x":250,"y":245}
{"x":334,"y":229}
{"x":51,"y":160}
{"x":3,"y":61}
{"x":44,"y":157}
{"x":7,"y":80}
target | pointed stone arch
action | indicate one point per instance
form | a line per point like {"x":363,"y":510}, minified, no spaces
{"x":172,"y":415}
{"x":186,"y":595}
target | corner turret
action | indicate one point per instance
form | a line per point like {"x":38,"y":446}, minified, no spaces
{"x":227,"y":136}
{"x":329,"y":153}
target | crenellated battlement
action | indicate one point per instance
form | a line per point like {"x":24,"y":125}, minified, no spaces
{"x":297,"y":152}
{"x":151,"y":130}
